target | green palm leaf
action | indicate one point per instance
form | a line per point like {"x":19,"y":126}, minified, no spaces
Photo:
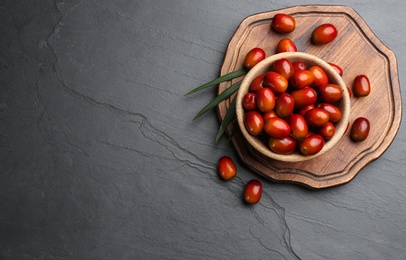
{"x":228,"y":118}
{"x":219,"y":80}
{"x":223,"y":95}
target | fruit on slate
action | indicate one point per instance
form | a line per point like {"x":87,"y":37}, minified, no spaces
{"x":253,"y":57}
{"x":254,"y":122}
{"x":324,"y":33}
{"x":286,"y":45}
{"x":253,"y":191}
{"x":226,"y":168}
{"x":360,"y":129}
{"x":283,"y":23}
{"x":361,"y":86}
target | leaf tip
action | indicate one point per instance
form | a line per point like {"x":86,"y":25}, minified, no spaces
{"x":218,"y":136}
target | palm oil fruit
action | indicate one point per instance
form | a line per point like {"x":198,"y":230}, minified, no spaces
{"x":253,"y":191}
{"x":226,"y":168}
{"x":283,"y":23}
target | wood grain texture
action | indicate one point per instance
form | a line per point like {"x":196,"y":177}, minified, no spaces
{"x":358,"y":51}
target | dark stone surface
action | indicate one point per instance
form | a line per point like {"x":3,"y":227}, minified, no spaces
{"x":100,"y":158}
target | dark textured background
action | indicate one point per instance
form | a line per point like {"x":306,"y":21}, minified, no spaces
{"x":100,"y":159}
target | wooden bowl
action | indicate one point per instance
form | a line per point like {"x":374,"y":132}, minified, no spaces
{"x":265,"y":66}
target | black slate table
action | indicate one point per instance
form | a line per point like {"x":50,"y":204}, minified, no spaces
{"x":100,"y":158}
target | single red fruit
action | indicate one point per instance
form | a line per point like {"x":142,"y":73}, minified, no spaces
{"x":226,"y":168}
{"x":303,"y":110}
{"x":284,"y":105}
{"x":312,"y":144}
{"x":286,"y":45}
{"x":327,"y":130}
{"x":283,"y":67}
{"x":250,"y":101}
{"x":360,"y":129}
{"x":361,"y":86}
{"x":337,"y":68}
{"x":301,"y":79}
{"x":334,"y":113}
{"x":304,"y":97}
{"x":253,"y":192}
{"x":330,"y":92}
{"x":286,"y":145}
{"x":320,"y":77}
{"x":256,"y":84}
{"x":269,"y":115}
{"x":316,"y":117}
{"x":254,"y":122}
{"x":277,"y":127}
{"x":253,"y":57}
{"x":323,"y":34}
{"x":309,"y":134}
{"x":276,"y":82}
{"x":283,"y":23}
{"x":265,"y":100}
{"x":298,"y":127}
{"x":299,"y":65}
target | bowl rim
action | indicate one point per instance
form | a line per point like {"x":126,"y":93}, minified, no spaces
{"x":265,"y":66}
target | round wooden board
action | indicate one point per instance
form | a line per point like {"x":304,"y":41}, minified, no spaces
{"x":358,"y":51}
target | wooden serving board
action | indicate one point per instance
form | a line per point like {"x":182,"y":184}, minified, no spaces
{"x":358,"y":51}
